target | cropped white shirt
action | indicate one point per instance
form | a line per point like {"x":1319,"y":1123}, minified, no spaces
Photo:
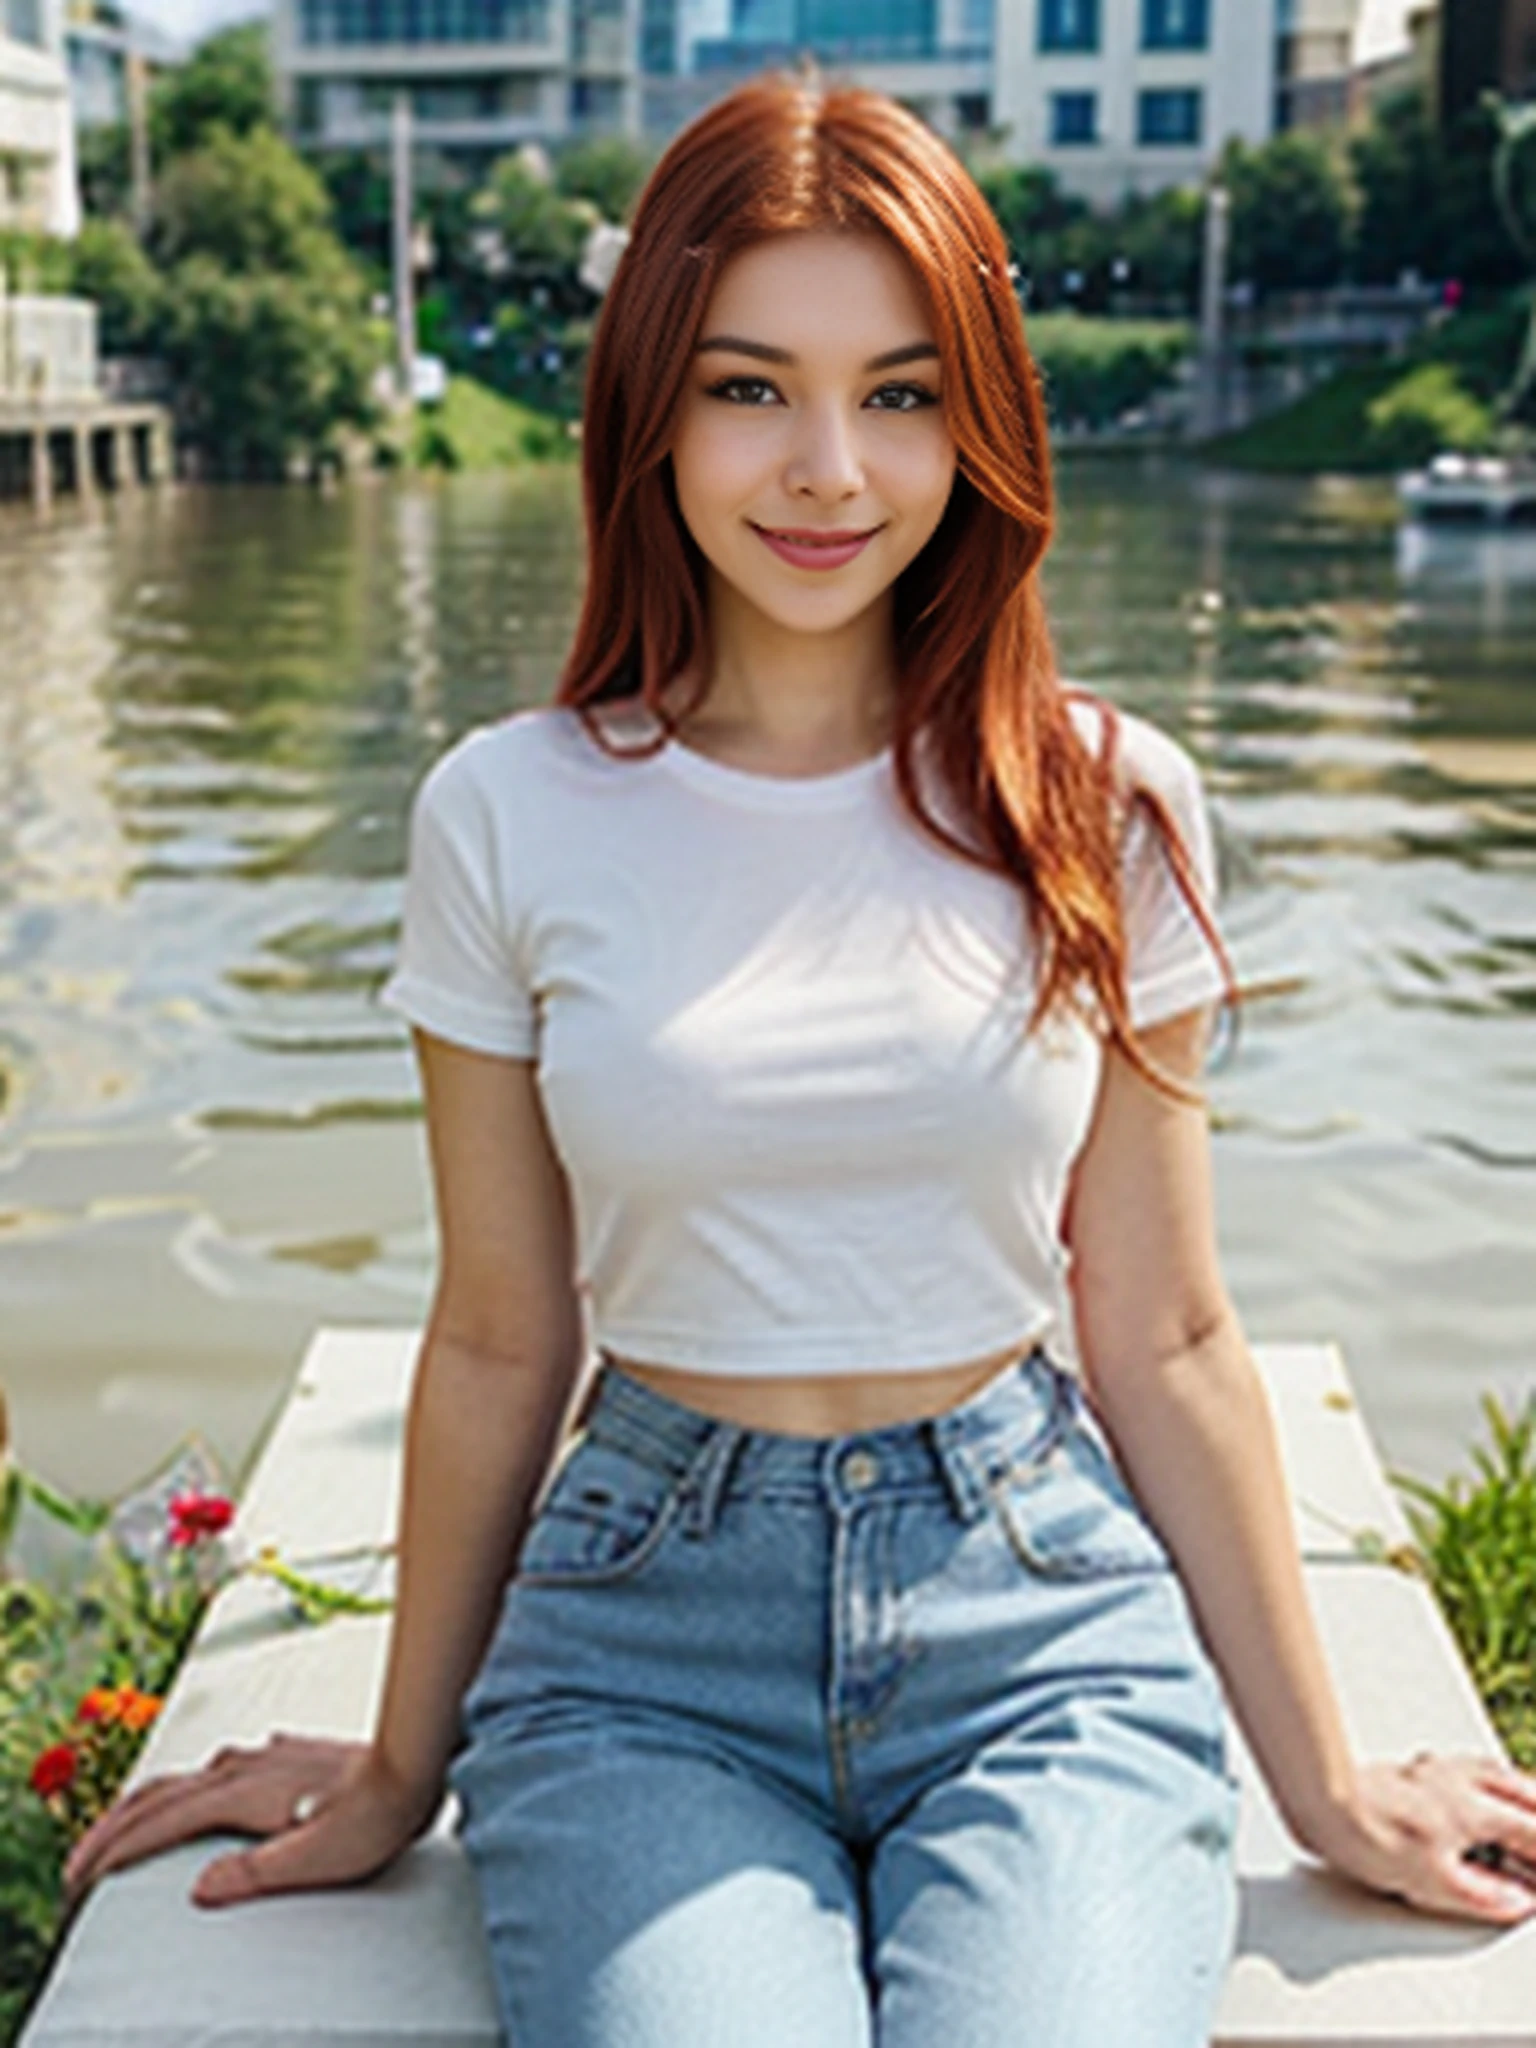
{"x":779,"y":1037}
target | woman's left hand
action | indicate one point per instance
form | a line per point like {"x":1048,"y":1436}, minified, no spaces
{"x":1410,"y":1825}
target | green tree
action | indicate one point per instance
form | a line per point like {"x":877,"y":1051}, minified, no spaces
{"x":109,"y":267}
{"x":1290,"y":212}
{"x":540,"y":233}
{"x":1159,"y":236}
{"x":607,"y":169}
{"x":267,"y":328}
{"x":1046,"y":228}
{"x":1395,"y":167}
{"x":227,"y":83}
{"x":357,"y":184}
{"x":271,"y":365}
{"x":1474,"y":241}
{"x":1426,"y":198}
{"x":247,"y":202}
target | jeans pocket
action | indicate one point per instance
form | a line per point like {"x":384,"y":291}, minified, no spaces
{"x":1069,"y":1512}
{"x":603,"y":1517}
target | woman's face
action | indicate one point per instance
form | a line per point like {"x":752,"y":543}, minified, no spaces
{"x":811,"y":454}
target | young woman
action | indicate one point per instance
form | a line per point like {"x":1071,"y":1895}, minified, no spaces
{"x":808,"y":1008}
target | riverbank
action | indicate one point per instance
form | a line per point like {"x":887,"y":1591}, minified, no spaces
{"x":1377,"y":417}
{"x":473,"y":428}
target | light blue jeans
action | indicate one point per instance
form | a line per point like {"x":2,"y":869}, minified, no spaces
{"x":903,"y":1737}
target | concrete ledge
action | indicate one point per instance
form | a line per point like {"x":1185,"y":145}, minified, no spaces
{"x":400,"y":1962}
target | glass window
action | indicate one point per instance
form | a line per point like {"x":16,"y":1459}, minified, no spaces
{"x":976,"y":24}
{"x":1170,"y":116}
{"x":1074,"y":118}
{"x":1069,"y":24}
{"x":1174,"y":24}
{"x":327,"y":23}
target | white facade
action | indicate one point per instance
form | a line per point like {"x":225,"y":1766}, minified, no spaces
{"x":1127,"y":107}
{"x":39,"y":188}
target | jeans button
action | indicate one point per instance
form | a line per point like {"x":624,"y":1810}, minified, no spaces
{"x":860,"y":1470}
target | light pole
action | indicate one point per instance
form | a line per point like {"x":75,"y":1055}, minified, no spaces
{"x":404,"y":283}
{"x":1209,"y":409}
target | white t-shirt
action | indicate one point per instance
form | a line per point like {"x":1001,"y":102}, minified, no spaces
{"x":779,"y":1036}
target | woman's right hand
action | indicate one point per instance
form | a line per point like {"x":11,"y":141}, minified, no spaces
{"x":363,"y":1817}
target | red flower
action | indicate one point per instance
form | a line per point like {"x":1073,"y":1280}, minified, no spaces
{"x":195,"y":1515}
{"x":54,"y":1770}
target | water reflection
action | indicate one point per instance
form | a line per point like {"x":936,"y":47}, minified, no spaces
{"x":214,"y":707}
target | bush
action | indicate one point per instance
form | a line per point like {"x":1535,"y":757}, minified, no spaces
{"x":1095,"y":370}
{"x":1423,"y":412}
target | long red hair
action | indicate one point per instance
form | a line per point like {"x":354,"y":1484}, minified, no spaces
{"x":977,"y":670}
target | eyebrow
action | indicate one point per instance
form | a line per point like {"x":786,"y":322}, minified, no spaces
{"x":736,"y":345}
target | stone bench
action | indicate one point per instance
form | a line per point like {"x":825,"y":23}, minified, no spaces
{"x":401,"y":1963}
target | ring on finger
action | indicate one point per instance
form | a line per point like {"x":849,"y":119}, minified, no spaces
{"x":305,"y":1807}
{"x":1490,"y":1855}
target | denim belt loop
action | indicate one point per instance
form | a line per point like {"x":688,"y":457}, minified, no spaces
{"x":964,"y":1474}
{"x":704,"y":1481}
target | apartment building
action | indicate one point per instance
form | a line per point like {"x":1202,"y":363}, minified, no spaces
{"x":38,"y":185}
{"x":1112,"y":95}
{"x":481,"y":76}
{"x":1120,"y":96}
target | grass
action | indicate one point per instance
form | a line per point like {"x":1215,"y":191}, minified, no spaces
{"x":475,"y":427}
{"x":1478,"y":1545}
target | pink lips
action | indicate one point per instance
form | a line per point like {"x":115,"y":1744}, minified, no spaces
{"x":805,"y":548}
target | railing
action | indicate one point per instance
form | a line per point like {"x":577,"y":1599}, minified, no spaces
{"x":732,"y":53}
{"x":332,"y":24}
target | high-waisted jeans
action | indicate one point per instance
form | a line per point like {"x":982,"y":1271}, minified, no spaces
{"x":901,"y":1737}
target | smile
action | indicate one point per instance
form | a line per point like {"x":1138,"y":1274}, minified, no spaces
{"x":810,"y":550}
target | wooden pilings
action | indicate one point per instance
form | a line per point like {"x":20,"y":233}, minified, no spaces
{"x":80,"y":449}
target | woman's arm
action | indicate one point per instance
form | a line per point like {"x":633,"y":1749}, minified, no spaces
{"x":499,"y":1361}
{"x":1167,"y":1368}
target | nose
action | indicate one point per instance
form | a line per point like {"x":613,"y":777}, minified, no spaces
{"x":824,"y":459}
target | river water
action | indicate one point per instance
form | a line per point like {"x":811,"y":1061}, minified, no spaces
{"x":214,"y":707}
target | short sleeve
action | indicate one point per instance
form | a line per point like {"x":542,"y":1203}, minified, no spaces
{"x":1171,"y":964}
{"x":457,"y":970}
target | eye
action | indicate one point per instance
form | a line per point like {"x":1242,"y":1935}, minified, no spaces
{"x":908,"y":397}
{"x":731,"y":389}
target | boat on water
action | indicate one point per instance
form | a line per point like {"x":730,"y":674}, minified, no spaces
{"x":1471,"y":490}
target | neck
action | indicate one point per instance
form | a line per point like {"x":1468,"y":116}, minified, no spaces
{"x":794,"y":702}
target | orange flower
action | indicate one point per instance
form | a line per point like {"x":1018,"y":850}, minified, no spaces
{"x":54,"y":1770}
{"x":136,"y":1709}
{"x":118,"y":1703}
